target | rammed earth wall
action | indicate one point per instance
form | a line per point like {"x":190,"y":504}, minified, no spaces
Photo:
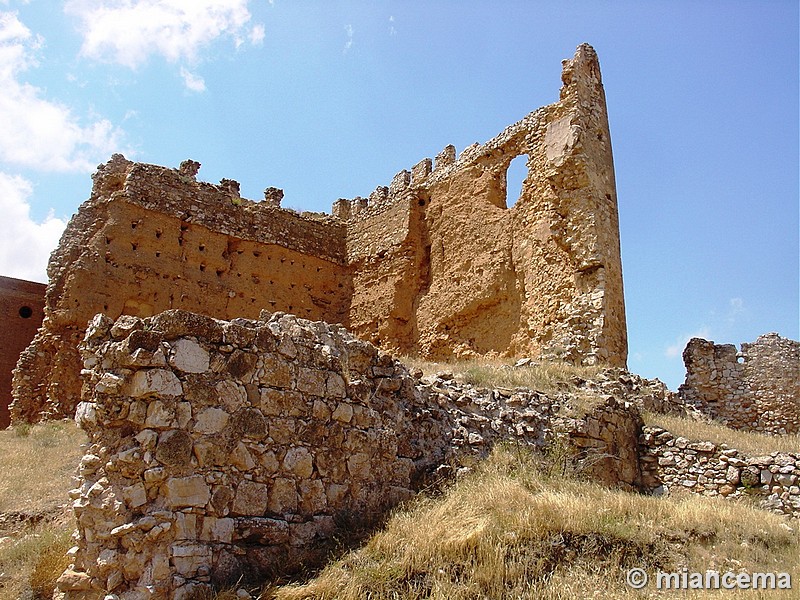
{"x":438,"y":264}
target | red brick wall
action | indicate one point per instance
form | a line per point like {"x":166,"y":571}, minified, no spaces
{"x":21,"y":314}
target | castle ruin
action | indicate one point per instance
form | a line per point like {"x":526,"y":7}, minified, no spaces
{"x":437,"y":264}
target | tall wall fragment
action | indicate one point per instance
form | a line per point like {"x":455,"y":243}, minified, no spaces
{"x":436,"y":264}
{"x":757,"y":389}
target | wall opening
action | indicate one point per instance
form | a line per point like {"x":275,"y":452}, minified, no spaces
{"x":515,"y":175}
{"x":26,"y":312}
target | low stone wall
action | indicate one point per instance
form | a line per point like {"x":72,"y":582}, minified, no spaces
{"x":757,"y":389}
{"x":670,"y":463}
{"x":221,"y":450}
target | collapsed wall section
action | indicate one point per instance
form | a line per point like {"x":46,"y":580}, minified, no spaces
{"x":757,"y":389}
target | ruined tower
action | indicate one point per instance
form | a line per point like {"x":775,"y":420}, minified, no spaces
{"x":435,"y":264}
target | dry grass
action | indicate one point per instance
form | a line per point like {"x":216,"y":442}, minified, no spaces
{"x":510,"y":531}
{"x":750,"y":443}
{"x":37,"y":464}
{"x":36,"y":467}
{"x":543,"y":376}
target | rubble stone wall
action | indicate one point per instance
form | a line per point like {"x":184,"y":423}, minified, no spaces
{"x":438,"y":263}
{"x":227,"y":449}
{"x":757,"y":389}
{"x":670,"y":463}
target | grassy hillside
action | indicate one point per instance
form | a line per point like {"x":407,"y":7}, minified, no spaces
{"x":512,"y":530}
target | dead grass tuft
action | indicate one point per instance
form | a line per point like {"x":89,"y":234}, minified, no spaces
{"x":751,"y":443}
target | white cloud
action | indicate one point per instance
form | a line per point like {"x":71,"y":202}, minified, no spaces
{"x":127,"y":32}
{"x":193,"y":82}
{"x":25,"y":245}
{"x":39,"y":133}
{"x":392,"y":30}
{"x":257,"y":35}
{"x":349,"y":43}
{"x":675,"y":350}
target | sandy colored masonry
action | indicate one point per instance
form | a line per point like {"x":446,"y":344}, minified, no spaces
{"x":436,"y":264}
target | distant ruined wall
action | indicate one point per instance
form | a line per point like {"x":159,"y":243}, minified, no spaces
{"x":436,"y":264}
{"x":757,"y":389}
{"x":21,"y":311}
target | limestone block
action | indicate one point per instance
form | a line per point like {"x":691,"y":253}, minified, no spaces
{"x":211,"y":420}
{"x":283,"y":496}
{"x":189,"y":356}
{"x":358,"y":465}
{"x":156,"y":382}
{"x":187,"y":491}
{"x":217,"y":530}
{"x":276,"y":372}
{"x":311,"y":381}
{"x":241,"y":458}
{"x":251,"y":499}
{"x":298,"y":460}
{"x":159,"y":415}
{"x":343,"y":412}
{"x":189,"y":558}
{"x":232,"y":396}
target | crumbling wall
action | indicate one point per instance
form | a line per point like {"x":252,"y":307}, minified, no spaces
{"x":436,"y":264}
{"x":459,"y":272}
{"x":227,"y":449}
{"x":151,"y":239}
{"x":21,"y":311}
{"x":757,"y":389}
{"x":671,"y":463}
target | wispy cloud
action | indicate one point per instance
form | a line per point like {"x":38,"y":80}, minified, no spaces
{"x":192,"y":81}
{"x":40,"y":133}
{"x":25,"y":245}
{"x":392,"y":30}
{"x":349,"y":43}
{"x":676,"y":349}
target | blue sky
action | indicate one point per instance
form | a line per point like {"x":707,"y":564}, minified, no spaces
{"x":331,"y":99}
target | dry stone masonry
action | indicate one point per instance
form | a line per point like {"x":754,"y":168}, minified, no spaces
{"x":671,"y":463}
{"x":228,"y":449}
{"x":437,"y":263}
{"x":224,"y":451}
{"x":757,"y":389}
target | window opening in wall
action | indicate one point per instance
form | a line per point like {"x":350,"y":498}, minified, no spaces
{"x":26,"y":312}
{"x":515,"y":175}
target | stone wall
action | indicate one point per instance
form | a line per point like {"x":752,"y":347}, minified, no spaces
{"x":227,"y":449}
{"x":757,"y":389}
{"x":672,"y":463}
{"x":436,"y":264}
{"x":21,"y":311}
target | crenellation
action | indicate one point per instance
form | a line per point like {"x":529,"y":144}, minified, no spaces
{"x":273,"y":197}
